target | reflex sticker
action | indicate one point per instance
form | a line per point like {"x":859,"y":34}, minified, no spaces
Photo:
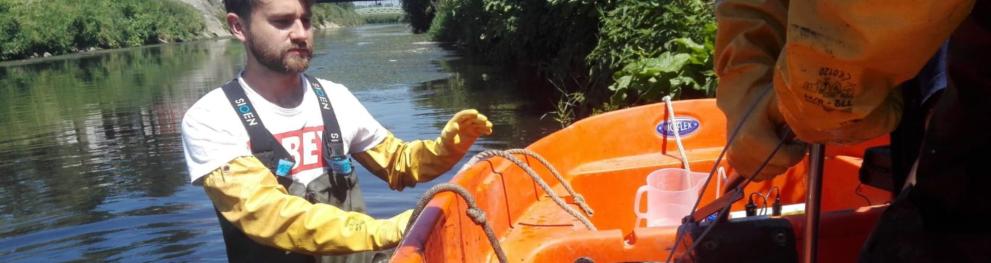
{"x":684,"y":126}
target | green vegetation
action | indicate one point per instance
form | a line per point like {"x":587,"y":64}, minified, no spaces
{"x":381,"y":14}
{"x":383,"y":18}
{"x":657,"y":48}
{"x":32,"y":28}
{"x":36,"y":28}
{"x":595,"y":54}
{"x":341,"y":14}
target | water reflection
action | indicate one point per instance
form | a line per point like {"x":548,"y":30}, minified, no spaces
{"x":91,"y":165}
{"x":90,"y":148}
{"x":502,"y":97}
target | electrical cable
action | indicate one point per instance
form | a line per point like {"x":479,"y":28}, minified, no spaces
{"x":751,"y":204}
{"x":857,"y":191}
{"x":729,"y":141}
{"x":726,"y":208}
{"x":763,"y":210}
{"x":750,"y":208}
{"x":776,"y":207}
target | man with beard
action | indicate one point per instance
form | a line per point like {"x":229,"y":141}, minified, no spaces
{"x":284,"y":189}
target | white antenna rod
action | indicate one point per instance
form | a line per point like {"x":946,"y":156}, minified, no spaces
{"x":673,"y":124}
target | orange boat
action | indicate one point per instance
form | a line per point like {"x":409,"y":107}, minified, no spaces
{"x":605,"y":159}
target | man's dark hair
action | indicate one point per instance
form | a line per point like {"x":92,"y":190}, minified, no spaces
{"x":240,"y":7}
{"x":243,"y":7}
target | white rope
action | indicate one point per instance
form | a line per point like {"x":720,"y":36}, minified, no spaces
{"x":536,"y":178}
{"x":579,"y":199}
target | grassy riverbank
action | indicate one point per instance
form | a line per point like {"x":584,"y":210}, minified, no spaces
{"x":595,"y":55}
{"x":35,"y":28}
{"x":336,"y":15}
{"x":43,"y":28}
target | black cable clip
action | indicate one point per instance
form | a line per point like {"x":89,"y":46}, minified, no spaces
{"x":751,"y":208}
{"x":776,"y":206}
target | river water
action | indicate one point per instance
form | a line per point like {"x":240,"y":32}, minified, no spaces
{"x":91,"y":164}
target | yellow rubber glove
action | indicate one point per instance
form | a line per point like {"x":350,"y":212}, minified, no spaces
{"x":403,"y":164}
{"x":842,"y":59}
{"x":750,"y":35}
{"x":247,"y":194}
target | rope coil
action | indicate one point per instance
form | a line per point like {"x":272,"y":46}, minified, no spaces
{"x":579,"y":199}
{"x":478,"y":216}
{"x":543,"y":185}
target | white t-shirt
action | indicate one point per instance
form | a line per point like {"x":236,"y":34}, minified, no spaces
{"x":212,"y":133}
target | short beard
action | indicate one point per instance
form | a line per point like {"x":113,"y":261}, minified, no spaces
{"x":281,"y":61}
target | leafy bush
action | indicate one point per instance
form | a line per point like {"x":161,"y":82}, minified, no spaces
{"x":685,"y":68}
{"x":605,"y":53}
{"x":31,"y":28}
{"x":547,"y":39}
{"x":655,"y":48}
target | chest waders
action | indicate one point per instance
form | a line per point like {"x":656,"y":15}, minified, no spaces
{"x":337,"y":186}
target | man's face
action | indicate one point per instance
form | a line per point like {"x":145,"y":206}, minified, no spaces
{"x":279,"y":35}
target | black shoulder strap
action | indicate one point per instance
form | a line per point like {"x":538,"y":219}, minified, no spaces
{"x":263,"y":144}
{"x":333,"y":150}
{"x":331,"y":128}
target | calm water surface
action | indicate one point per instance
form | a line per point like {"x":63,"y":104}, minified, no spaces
{"x":91,"y":164}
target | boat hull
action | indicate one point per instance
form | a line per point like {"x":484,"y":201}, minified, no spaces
{"x":606,"y":158}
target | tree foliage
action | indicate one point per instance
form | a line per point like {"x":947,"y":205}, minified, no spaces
{"x":656,"y":48}
{"x":595,"y":53}
{"x":420,"y":13}
{"x":31,"y":28}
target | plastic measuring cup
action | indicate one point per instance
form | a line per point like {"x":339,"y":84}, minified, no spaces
{"x":670,"y":195}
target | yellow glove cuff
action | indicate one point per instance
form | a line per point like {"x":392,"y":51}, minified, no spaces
{"x":403,"y":164}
